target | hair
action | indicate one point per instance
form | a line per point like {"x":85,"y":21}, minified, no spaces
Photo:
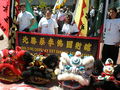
{"x":22,"y":4}
{"x":114,"y":9}
{"x":48,"y":9}
{"x":69,"y":15}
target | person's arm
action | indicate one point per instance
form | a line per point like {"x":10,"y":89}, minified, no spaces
{"x":16,"y":22}
{"x":117,"y":44}
{"x":102,"y":38}
{"x":101,"y":46}
{"x":32,"y":21}
{"x":39,"y":29}
{"x":55,"y":26}
{"x":56,"y":30}
{"x":40,"y":26}
{"x":74,"y":33}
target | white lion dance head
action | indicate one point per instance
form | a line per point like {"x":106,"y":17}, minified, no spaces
{"x":75,"y":71}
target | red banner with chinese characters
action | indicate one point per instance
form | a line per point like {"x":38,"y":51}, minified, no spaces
{"x":4,"y":16}
{"x":4,"y":23}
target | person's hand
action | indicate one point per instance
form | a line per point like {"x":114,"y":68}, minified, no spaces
{"x":117,"y":44}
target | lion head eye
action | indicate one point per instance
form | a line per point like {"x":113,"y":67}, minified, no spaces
{"x":76,"y":61}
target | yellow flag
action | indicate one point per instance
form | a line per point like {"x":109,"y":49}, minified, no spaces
{"x":81,"y":11}
{"x":58,"y":4}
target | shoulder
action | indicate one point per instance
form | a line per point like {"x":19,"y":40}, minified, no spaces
{"x":117,"y":20}
{"x":20,"y":14}
{"x":43,"y":18}
{"x":53,"y":19}
{"x":28,"y":13}
{"x":107,"y":20}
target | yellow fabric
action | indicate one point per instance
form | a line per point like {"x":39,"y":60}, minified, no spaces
{"x":58,"y":4}
{"x":78,"y":16}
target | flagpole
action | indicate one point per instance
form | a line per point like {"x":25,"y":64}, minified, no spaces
{"x":54,"y":8}
{"x":106,"y":11}
{"x":12,"y":8}
{"x":105,"y":16}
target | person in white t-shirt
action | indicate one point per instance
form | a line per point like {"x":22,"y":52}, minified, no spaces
{"x":25,"y":19}
{"x":60,"y":19}
{"x":69,"y":28}
{"x":48,"y":25}
{"x":111,"y":37}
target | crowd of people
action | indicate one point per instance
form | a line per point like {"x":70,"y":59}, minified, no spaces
{"x":49,"y":22}
{"x":62,"y":22}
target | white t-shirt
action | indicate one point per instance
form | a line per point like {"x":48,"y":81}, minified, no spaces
{"x":54,"y":16}
{"x":48,"y":26}
{"x":112,"y":31}
{"x":24,"y":20}
{"x":75,"y":28}
{"x":61,"y":16}
{"x":67,"y":28}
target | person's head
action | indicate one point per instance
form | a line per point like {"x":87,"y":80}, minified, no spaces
{"x":22,"y":7}
{"x":35,"y":9}
{"x":113,"y":13}
{"x":65,"y":7}
{"x":61,"y":10}
{"x":91,"y":7}
{"x":48,"y":13}
{"x":68,"y":18}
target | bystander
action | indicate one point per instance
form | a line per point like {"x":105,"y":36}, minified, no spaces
{"x":25,"y":19}
{"x":69,"y":26}
{"x":48,"y":25}
{"x":111,"y":37}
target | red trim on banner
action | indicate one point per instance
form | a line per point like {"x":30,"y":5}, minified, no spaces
{"x":31,"y":33}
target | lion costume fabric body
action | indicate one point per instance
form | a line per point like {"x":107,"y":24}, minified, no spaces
{"x":41,"y":70}
{"x":74,"y":72}
{"x":13,"y":63}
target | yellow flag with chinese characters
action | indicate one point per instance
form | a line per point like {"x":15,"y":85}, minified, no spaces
{"x":81,"y":12}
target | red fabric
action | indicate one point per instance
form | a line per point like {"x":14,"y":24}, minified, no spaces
{"x":11,"y":67}
{"x":18,"y":48}
{"x":5,"y":53}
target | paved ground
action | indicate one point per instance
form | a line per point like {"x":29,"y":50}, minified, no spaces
{"x":20,"y":86}
{"x":23,"y":86}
